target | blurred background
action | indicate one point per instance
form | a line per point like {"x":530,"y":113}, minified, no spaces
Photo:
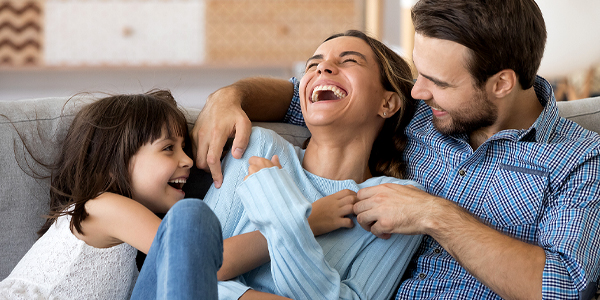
{"x":193,"y":47}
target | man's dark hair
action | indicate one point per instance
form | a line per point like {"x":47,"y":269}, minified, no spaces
{"x":501,"y":34}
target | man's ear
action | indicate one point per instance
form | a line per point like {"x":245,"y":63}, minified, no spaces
{"x":503,"y":83}
{"x":390,"y":105}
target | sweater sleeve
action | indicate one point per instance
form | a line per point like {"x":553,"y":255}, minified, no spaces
{"x":276,"y":206}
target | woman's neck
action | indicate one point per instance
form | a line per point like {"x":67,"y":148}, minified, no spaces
{"x":339,"y":158}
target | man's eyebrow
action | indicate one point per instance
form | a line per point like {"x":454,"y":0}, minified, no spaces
{"x":346,"y":53}
{"x":438,"y":82}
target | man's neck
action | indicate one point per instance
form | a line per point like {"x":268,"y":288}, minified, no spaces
{"x":517,"y":111}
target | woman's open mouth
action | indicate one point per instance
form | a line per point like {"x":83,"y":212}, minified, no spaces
{"x":327,"y":92}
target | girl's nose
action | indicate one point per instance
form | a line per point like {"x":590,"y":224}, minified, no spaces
{"x":185,"y":161}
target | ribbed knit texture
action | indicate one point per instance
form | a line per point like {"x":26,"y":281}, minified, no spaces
{"x":343,"y":264}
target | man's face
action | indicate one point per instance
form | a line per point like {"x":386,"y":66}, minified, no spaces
{"x":445,"y":84}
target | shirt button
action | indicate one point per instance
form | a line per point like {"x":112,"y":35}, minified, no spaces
{"x":462,"y":173}
{"x":437,"y":251}
{"x":422,"y":276}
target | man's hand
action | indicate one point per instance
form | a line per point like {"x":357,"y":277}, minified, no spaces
{"x":331,"y":212}
{"x":393,"y":208}
{"x":508,"y":266}
{"x":221,"y":117}
{"x":259,"y":163}
{"x":262,"y":99}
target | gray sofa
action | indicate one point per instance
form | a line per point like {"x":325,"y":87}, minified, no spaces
{"x":43,"y":122}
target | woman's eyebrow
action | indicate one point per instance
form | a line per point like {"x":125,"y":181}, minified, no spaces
{"x":346,"y":53}
{"x":316,"y":56}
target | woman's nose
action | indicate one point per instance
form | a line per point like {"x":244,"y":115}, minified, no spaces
{"x":326,"y":67}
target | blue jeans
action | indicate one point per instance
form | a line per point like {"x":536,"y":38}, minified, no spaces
{"x":185,"y":255}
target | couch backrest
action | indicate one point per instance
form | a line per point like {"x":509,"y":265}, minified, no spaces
{"x":585,"y":112}
{"x":43,"y":123}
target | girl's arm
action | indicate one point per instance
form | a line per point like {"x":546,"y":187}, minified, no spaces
{"x":114,"y":219}
{"x":243,"y":253}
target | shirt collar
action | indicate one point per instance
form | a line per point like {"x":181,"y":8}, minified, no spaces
{"x":543,"y":127}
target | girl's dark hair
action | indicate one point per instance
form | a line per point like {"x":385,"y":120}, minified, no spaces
{"x":507,"y":34}
{"x":99,"y":145}
{"x":396,"y":76}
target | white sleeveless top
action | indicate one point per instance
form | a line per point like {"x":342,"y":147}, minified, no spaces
{"x":61,"y":266}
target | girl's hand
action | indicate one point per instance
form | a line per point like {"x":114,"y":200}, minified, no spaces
{"x":331,"y":212}
{"x":259,"y":163}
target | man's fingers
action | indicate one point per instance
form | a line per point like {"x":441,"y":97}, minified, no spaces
{"x":365,"y":219}
{"x":215,"y":171}
{"x":243,"y":129}
{"x":378,"y":231}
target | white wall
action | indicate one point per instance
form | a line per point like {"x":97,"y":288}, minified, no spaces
{"x":190,"y":86}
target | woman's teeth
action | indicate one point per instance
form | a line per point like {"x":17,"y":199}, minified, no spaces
{"x":319,"y":90}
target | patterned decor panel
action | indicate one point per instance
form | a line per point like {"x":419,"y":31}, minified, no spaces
{"x":21,"y":32}
{"x":274,"y":31}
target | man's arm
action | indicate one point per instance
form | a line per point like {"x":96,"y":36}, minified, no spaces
{"x":228,"y":111}
{"x":511,"y":268}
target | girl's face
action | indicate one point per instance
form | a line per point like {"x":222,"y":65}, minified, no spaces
{"x":342,"y":84}
{"x":158,"y":172}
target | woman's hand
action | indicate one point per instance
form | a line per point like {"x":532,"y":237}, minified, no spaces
{"x":259,"y":163}
{"x":331,"y":212}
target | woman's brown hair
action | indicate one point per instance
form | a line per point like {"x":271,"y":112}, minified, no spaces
{"x":99,"y":145}
{"x":396,"y":76}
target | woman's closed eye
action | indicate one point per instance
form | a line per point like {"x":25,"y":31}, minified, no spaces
{"x":311,"y":66}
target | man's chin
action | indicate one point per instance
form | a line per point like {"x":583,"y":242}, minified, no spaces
{"x":446,"y":128}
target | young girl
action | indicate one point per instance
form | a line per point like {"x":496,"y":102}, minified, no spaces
{"x":122,"y":161}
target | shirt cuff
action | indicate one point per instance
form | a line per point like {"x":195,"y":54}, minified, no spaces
{"x":231,"y":289}
{"x":557,"y":283}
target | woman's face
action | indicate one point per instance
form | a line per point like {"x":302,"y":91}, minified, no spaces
{"x":342,"y":85}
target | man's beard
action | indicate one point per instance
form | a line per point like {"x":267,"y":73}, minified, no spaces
{"x":481,"y":113}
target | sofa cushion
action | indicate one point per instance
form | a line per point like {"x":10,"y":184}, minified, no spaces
{"x":43,"y":123}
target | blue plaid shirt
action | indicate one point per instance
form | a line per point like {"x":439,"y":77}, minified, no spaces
{"x":540,"y":185}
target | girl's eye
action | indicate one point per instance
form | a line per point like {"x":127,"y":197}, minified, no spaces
{"x":168,"y":148}
{"x":350,"y":60}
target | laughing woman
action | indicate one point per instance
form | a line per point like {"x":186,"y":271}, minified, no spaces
{"x":355,"y":98}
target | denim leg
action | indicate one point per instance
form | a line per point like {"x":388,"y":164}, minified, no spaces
{"x":185,"y":255}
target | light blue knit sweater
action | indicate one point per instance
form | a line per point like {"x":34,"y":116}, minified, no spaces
{"x":343,"y":264}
